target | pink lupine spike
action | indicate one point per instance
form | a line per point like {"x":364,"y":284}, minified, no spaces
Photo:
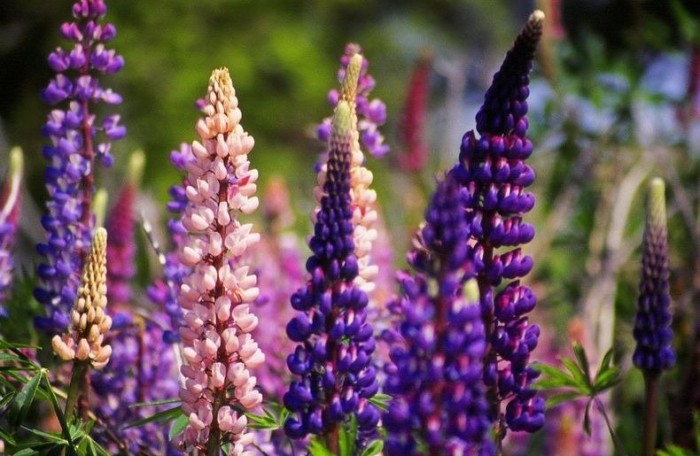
{"x":217,"y":292}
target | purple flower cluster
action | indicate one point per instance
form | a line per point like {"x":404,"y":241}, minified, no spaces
{"x":436,"y":373}
{"x":371,"y":114}
{"x":121,"y":249}
{"x":335,"y":343}
{"x":141,"y":369}
{"x":10,"y":201}
{"x":72,"y":153}
{"x":654,"y":351}
{"x":164,"y":292}
{"x":493,"y":171}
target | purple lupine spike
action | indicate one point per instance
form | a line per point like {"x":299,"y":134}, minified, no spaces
{"x":436,"y":369}
{"x":371,"y":114}
{"x":332,"y":361}
{"x":10,"y":202}
{"x":654,"y":351}
{"x":164,"y":291}
{"x":73,"y":131}
{"x":493,"y":171}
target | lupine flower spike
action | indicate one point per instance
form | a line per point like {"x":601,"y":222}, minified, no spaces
{"x":436,"y":373}
{"x":10,"y":201}
{"x":363,"y":198}
{"x":372,"y":114}
{"x":218,"y":348}
{"x":84,"y":342}
{"x":71,"y":155}
{"x":493,"y":171}
{"x":654,"y":352}
{"x":335,"y":343}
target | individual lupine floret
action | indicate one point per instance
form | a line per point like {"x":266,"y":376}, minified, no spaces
{"x":335,"y":343}
{"x":72,"y":154}
{"x":10,"y":201}
{"x":216,"y":296}
{"x":436,"y":373}
{"x":654,"y":351}
{"x":493,"y":171}
{"x":84,"y":342}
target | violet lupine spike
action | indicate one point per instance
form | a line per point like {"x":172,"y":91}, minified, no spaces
{"x":363,"y":199}
{"x":436,"y":372}
{"x":216,"y":296}
{"x":492,"y":169}
{"x":10,"y":201}
{"x":164,"y":292}
{"x":654,"y":351}
{"x":332,"y":361}
{"x":371,"y":114}
{"x":72,"y":153}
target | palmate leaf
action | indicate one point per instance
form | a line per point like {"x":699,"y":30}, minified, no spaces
{"x":381,"y":401}
{"x":583,"y":364}
{"x":348,"y":437}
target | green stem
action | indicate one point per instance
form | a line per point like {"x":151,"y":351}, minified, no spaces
{"x":651,"y":385}
{"x":213,"y":445}
{"x":76,"y":380}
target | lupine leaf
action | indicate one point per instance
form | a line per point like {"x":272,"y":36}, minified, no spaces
{"x":179,"y":425}
{"x":587,"y":418}
{"x":374,"y":448}
{"x":23,"y":400}
{"x":348,"y":437}
{"x":673,"y":450}
{"x":267,"y":421}
{"x":558,"y":398}
{"x":156,"y":403}
{"x":317,"y":448}
{"x":583,"y":364}
{"x":7,"y":437}
{"x":555,"y":378}
{"x":579,"y":378}
{"x":160,"y":417}
{"x":607,"y":379}
{"x":381,"y":401}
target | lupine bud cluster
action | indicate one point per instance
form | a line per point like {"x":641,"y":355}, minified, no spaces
{"x":10,"y":201}
{"x":654,"y":351}
{"x":216,"y":296}
{"x":493,"y":171}
{"x":335,"y":343}
{"x":84,"y":342}
{"x":436,"y":373}
{"x":371,"y":114}
{"x":71,"y":155}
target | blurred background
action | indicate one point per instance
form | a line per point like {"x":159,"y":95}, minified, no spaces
{"x":615,"y":99}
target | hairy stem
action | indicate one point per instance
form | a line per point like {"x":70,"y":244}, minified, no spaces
{"x":76,"y":381}
{"x":651,"y":405}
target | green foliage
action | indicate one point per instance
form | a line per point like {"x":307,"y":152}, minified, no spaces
{"x":576,"y":381}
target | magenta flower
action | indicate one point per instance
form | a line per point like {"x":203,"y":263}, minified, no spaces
{"x":216,"y":296}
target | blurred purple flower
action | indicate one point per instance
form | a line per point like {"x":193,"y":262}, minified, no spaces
{"x":10,"y":201}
